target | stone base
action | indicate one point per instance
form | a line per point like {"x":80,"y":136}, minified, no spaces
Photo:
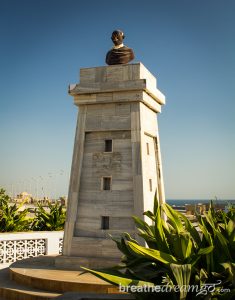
{"x":75,"y":263}
{"x":39,"y":279}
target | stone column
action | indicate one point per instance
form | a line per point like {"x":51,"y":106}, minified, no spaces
{"x":116,"y":166}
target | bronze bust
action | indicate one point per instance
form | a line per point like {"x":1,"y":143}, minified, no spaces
{"x":119,"y":54}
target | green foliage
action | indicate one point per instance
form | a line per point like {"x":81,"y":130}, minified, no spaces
{"x":177,"y":254}
{"x":53,"y":219}
{"x":11,"y":217}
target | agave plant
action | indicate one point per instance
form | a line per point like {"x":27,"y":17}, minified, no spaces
{"x":12,"y":218}
{"x":176,"y":257}
{"x":50,"y":220}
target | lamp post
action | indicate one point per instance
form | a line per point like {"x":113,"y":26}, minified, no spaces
{"x":50,"y":185}
{"x":42,"y":187}
{"x":36,"y":187}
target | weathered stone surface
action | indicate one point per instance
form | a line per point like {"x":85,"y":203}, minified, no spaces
{"x":117,"y":103}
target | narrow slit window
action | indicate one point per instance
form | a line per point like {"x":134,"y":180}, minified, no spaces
{"x":150,"y":185}
{"x":108,"y":145}
{"x":106,"y":184}
{"x":147,"y":146}
{"x":104,"y":222}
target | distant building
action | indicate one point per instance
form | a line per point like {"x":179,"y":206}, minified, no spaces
{"x":63,"y":200}
{"x":24,"y":197}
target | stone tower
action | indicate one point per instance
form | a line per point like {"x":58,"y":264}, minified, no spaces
{"x":116,"y":166}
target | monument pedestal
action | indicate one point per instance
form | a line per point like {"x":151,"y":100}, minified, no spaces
{"x":116,"y":166}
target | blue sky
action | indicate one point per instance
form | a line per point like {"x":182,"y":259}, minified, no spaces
{"x":188,"y":45}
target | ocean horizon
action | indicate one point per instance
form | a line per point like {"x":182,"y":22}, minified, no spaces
{"x":182,"y":202}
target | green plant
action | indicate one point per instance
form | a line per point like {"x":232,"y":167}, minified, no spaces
{"x":176,"y":254}
{"x":12,"y":218}
{"x":50,"y":220}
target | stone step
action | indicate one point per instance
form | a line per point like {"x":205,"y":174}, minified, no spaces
{"x":92,"y":296}
{"x":10,"y":290}
{"x":46,"y":276}
{"x":75,"y":262}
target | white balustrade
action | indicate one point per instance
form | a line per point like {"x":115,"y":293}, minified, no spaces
{"x":20,"y":245}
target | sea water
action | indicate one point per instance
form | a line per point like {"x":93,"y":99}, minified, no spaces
{"x":182,"y":202}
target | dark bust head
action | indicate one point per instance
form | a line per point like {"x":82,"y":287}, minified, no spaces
{"x":119,"y":54}
{"x":117,"y":37}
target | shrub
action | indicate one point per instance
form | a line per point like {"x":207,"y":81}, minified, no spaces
{"x":11,"y":217}
{"x":53,"y":219}
{"x":176,"y":254}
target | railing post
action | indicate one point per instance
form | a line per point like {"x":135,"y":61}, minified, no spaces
{"x":52,"y":244}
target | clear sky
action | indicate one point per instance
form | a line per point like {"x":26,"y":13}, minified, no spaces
{"x":188,"y":45}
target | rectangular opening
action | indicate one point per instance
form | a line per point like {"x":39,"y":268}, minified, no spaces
{"x":150,"y":185}
{"x":106,"y":183}
{"x":108,"y":145}
{"x":104,"y":222}
{"x":147,"y":146}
